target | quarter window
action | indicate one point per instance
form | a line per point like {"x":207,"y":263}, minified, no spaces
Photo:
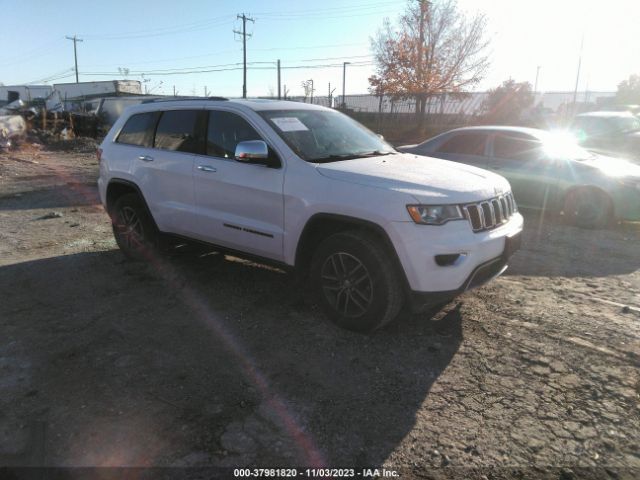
{"x":177,"y":131}
{"x":225,"y":131}
{"x":138,"y":130}
{"x":465,"y":144}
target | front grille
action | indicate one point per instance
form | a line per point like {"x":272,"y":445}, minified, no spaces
{"x":490,"y":213}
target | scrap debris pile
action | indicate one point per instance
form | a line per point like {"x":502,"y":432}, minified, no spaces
{"x":31,"y":122}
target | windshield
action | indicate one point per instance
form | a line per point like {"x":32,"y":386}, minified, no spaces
{"x":325,"y":136}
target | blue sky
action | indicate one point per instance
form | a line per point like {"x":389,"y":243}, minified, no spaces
{"x":153,"y":37}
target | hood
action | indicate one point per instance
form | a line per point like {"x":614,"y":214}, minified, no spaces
{"x":611,"y":166}
{"x":429,"y":180}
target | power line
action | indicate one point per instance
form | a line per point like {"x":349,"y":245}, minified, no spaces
{"x":274,"y":66}
{"x":311,"y":47}
{"x":329,"y":16}
{"x":365,"y":6}
{"x":171,"y":30}
{"x":234,"y":66}
{"x":68,"y":72}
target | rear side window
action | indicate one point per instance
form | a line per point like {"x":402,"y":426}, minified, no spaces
{"x":465,"y":144}
{"x":516,"y":147}
{"x":225,"y":131}
{"x":139,"y":129}
{"x":178,"y":131}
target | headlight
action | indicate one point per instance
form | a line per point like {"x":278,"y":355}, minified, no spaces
{"x":434,"y":214}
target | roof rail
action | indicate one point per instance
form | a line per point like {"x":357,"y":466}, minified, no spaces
{"x":174,"y":99}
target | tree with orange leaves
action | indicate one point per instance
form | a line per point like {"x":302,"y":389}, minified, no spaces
{"x":436,"y":49}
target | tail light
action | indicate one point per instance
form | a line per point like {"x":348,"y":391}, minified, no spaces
{"x":99,"y":154}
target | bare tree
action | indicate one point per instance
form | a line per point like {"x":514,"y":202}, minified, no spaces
{"x":629,"y":90}
{"x":506,"y":103}
{"x":436,"y":49}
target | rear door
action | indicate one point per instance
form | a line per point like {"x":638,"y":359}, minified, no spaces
{"x":238,"y":205}
{"x":464,"y":147}
{"x":165,"y":172}
{"x":521,"y":159}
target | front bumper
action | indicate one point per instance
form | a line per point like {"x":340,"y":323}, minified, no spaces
{"x":482,"y":255}
{"x":481,"y":275}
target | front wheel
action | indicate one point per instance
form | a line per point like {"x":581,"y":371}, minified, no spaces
{"x":133,"y":228}
{"x":356,"y":282}
{"x":588,"y":208}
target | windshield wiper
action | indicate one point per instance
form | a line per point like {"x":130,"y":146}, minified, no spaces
{"x":351,"y":156}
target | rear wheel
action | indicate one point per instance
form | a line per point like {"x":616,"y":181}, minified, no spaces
{"x":588,"y":208}
{"x":133,"y":228}
{"x":355,"y":281}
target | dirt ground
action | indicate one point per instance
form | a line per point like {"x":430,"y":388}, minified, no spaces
{"x":203,"y":361}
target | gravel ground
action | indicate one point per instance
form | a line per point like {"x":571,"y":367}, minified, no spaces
{"x":201,"y":360}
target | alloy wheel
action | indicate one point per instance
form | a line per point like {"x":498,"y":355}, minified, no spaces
{"x":346,"y":284}
{"x":129,"y":227}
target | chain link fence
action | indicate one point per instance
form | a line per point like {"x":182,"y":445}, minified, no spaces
{"x":397,"y":120}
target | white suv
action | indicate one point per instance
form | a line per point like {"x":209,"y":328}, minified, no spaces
{"x":309,"y":189}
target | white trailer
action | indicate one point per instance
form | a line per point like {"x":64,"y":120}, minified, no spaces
{"x":69,"y":91}
{"x":11,"y":93}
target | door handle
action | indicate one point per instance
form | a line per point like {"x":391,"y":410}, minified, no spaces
{"x":145,"y":158}
{"x":206,"y":168}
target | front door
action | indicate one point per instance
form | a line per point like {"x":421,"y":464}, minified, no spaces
{"x":238,"y":205}
{"x":522,"y":160}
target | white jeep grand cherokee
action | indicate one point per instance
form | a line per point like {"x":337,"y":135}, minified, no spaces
{"x":309,"y":189}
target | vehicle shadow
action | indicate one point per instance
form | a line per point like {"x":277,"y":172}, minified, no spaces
{"x":552,"y":248}
{"x":59,"y":196}
{"x":201,"y":361}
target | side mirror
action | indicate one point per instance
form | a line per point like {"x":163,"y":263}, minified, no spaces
{"x":380,"y":136}
{"x":251,"y":150}
{"x":255,"y":151}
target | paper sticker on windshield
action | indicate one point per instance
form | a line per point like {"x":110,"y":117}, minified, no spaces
{"x":289,"y":124}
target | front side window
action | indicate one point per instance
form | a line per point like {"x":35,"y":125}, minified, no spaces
{"x":325,"y":136}
{"x":138,"y":130}
{"x":177,"y":131}
{"x":516,"y":147}
{"x":625,"y":124}
{"x":225,"y":131}
{"x":464,"y":144}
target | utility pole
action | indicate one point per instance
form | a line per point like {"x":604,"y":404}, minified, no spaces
{"x":75,"y":51}
{"x":244,"y":34}
{"x":535,"y":87}
{"x":575,"y":90}
{"x":344,"y":76}
{"x":278,"y":79}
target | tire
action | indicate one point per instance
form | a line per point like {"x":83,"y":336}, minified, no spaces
{"x":588,"y":208}
{"x":133,"y":228}
{"x":356,"y":282}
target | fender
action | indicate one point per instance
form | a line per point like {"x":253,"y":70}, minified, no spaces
{"x":338,"y":223}
{"x":133,"y":186}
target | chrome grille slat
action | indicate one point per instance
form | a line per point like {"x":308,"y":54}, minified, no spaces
{"x":490,"y":213}
{"x":497,"y":210}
